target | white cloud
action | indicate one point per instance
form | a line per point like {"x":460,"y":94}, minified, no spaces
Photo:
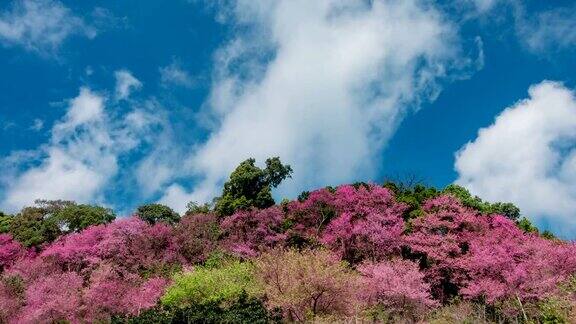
{"x":125,"y":84}
{"x":322,"y":84}
{"x":83,"y":156}
{"x":40,"y":25}
{"x":538,"y":31}
{"x":76,"y":163}
{"x":173,"y":74}
{"x":528,"y":157}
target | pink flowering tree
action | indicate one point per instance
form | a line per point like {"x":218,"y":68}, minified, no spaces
{"x":358,"y":222}
{"x":57,"y":297}
{"x":506,"y":263}
{"x":10,"y":251}
{"x":196,"y":236}
{"x":370,"y":224}
{"x":115,"y":291}
{"x":396,"y":288}
{"x":440,"y":237}
{"x":129,"y":243}
{"x":105,"y":270}
{"x":247,"y":233}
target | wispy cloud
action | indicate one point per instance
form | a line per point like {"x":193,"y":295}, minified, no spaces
{"x":553,"y":29}
{"x":41,"y":26}
{"x":528,"y":156}
{"x":174,"y":74}
{"x":540,"y":31}
{"x":37,"y":125}
{"x":125,"y":84}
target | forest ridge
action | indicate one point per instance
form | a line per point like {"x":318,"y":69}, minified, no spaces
{"x":384,"y":253}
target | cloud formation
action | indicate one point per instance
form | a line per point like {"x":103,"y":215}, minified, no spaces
{"x":125,"y":84}
{"x":550,"y":29}
{"x":539,"y":31}
{"x":41,"y":25}
{"x":76,"y":163}
{"x":173,"y":74}
{"x":83,"y":154}
{"x":528,"y":156}
{"x":322,"y":84}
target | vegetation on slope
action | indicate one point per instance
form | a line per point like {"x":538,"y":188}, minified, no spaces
{"x":378,"y":253}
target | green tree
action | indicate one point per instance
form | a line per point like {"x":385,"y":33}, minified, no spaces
{"x":250,"y":186}
{"x":153,"y":213}
{"x":526,"y":225}
{"x":5,"y":221}
{"x":506,"y":209}
{"x":75,"y":218}
{"x":47,"y":219}
{"x":36,"y":225}
{"x":413,"y":196}
{"x":193,"y":208}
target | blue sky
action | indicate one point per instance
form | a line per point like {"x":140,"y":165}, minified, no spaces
{"x":125,"y":102}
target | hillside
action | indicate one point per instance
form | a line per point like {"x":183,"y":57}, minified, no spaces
{"x":377,"y":253}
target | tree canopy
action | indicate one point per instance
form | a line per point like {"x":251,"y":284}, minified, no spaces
{"x":154,"y":213}
{"x":250,"y":186}
{"x":46,"y":220}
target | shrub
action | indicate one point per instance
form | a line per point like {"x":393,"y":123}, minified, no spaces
{"x":202,"y":285}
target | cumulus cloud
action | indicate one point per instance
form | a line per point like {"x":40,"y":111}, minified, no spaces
{"x":40,"y":25}
{"x":322,"y":84}
{"x":125,"y":84}
{"x":82,"y":156}
{"x":173,"y":74}
{"x":528,"y":156}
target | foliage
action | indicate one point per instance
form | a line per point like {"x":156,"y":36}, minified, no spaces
{"x":33,"y":226}
{"x":398,"y":253}
{"x":75,"y":218}
{"x":154,"y":213}
{"x":48,"y":219}
{"x":195,"y":208}
{"x":249,"y":186}
{"x":205,"y":286}
{"x":5,"y":221}
{"x":244,"y":310}
{"x":506,"y":209}
{"x":413,"y":196}
{"x":306,"y":284}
